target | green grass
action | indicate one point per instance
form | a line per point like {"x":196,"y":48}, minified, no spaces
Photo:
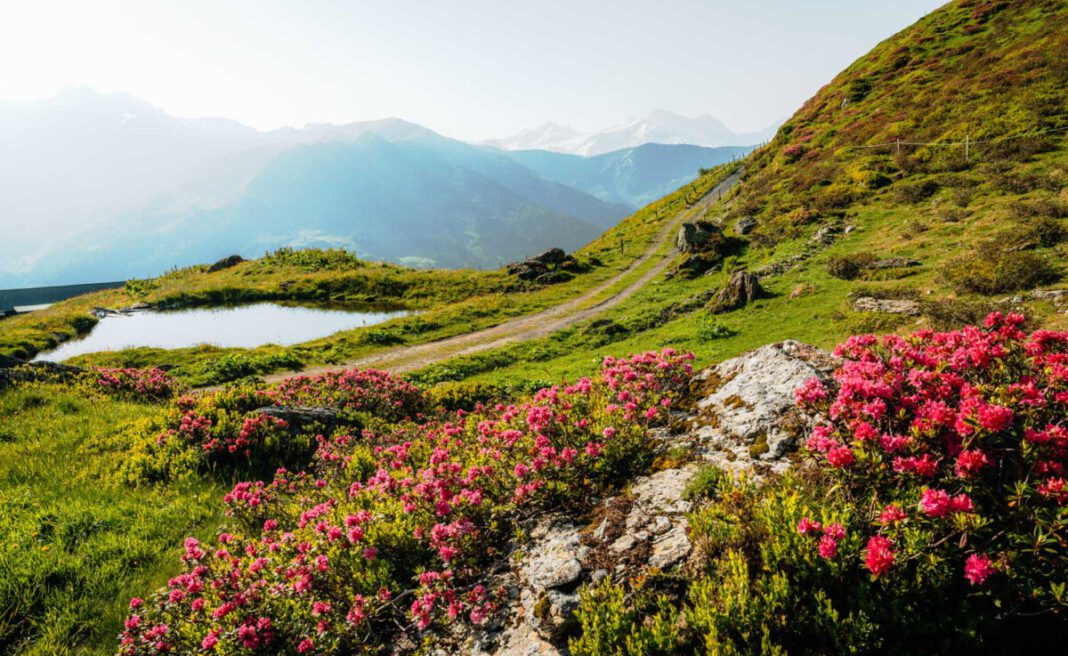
{"x":73,"y":547}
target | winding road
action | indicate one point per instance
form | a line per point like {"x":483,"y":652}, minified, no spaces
{"x":532,"y":326}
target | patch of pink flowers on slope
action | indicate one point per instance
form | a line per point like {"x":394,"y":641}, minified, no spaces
{"x":961,"y":435}
{"x":143,"y":384}
{"x":396,"y":526}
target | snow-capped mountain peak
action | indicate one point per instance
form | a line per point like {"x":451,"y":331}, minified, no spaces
{"x":659,"y":126}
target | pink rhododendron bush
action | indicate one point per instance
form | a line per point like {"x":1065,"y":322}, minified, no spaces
{"x":958,"y":445}
{"x":221,"y":432}
{"x":396,"y":528}
{"x":927,"y":514}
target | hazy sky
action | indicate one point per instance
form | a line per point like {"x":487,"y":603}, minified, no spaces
{"x":467,"y":68}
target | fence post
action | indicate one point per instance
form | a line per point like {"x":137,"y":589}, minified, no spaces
{"x":967,"y":147}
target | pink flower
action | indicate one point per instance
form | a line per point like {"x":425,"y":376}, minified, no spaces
{"x":891,"y":515}
{"x":841,"y":457}
{"x":969,"y":462}
{"x":828,"y":547}
{"x":994,"y":417}
{"x":305,"y":646}
{"x":210,"y":640}
{"x":935,"y":503}
{"x":806,"y":526}
{"x":978,"y":568}
{"x":878,"y":556}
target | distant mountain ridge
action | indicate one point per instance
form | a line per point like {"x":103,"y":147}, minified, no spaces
{"x":106,"y":186}
{"x":633,"y":176}
{"x":658,"y":127}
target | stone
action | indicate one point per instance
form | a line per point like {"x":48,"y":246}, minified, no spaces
{"x":226,"y":263}
{"x":695,"y":265}
{"x":300,"y":417}
{"x":745,"y":225}
{"x":671,"y":549}
{"x":893,"y":263}
{"x":887,"y":306}
{"x":1056,"y":296}
{"x":753,"y":394}
{"x":742,"y":288}
{"x":697,"y":236}
{"x":551,"y":257}
{"x":555,"y":558}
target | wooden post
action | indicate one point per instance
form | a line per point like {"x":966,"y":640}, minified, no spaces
{"x":621,"y":246}
{"x":898,"y":143}
{"x":967,"y":147}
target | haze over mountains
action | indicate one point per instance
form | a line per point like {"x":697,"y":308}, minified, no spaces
{"x":98,"y":187}
{"x":659,"y":126}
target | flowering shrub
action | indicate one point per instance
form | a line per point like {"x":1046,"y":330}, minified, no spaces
{"x":220,"y":429}
{"x":931,"y":517}
{"x":957,"y":445}
{"x":139,"y":384}
{"x":394,"y":529}
{"x":354,"y":390}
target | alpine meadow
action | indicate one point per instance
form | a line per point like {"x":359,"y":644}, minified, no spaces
{"x":655,"y":389}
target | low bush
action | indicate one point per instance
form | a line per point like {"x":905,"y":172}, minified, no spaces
{"x":994,"y":267}
{"x":849,"y":267}
{"x":388,"y":536}
{"x":915,"y":191}
{"x":929,"y":517}
{"x":235,"y":366}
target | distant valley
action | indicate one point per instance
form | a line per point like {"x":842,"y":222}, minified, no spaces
{"x":135,"y":191}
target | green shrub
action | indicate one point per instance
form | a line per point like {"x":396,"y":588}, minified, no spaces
{"x":710,"y":329}
{"x":993,"y":267}
{"x":465,"y":396}
{"x":235,"y":366}
{"x":915,"y":192}
{"x":379,"y":337}
{"x":848,"y":267}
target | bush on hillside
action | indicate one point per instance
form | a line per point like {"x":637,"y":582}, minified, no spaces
{"x":389,"y":535}
{"x":929,"y":519}
{"x":915,"y":191}
{"x":994,"y":267}
{"x":849,"y":267}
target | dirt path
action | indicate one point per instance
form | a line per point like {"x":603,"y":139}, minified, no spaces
{"x":533,"y":326}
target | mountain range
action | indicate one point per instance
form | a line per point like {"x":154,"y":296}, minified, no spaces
{"x":659,"y":126}
{"x":106,"y":186}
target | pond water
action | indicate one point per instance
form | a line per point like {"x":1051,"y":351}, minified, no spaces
{"x":240,"y":326}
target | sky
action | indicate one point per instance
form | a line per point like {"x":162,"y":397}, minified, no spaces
{"x":469,"y":69}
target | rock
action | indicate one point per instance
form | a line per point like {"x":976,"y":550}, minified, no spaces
{"x":697,"y":236}
{"x":695,"y":265}
{"x":1056,"y":296}
{"x":226,"y":263}
{"x":300,"y":417}
{"x":552,"y":266}
{"x":742,"y":288}
{"x":8,"y":312}
{"x":887,"y":306}
{"x":671,"y":549}
{"x":552,"y":277}
{"x":528,"y":270}
{"x":751,"y":397}
{"x":745,"y":225}
{"x":522,"y":640}
{"x":893,"y":263}
{"x":551,"y":257}
{"x":556,"y":560}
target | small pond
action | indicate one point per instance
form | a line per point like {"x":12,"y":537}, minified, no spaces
{"x":241,"y":326}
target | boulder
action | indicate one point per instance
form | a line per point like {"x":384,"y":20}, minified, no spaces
{"x":696,"y":265}
{"x":551,"y":257}
{"x":887,"y":306}
{"x":226,"y":263}
{"x":741,"y":289}
{"x":301,"y":417}
{"x":697,"y":236}
{"x":745,"y":225}
{"x":751,"y":397}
